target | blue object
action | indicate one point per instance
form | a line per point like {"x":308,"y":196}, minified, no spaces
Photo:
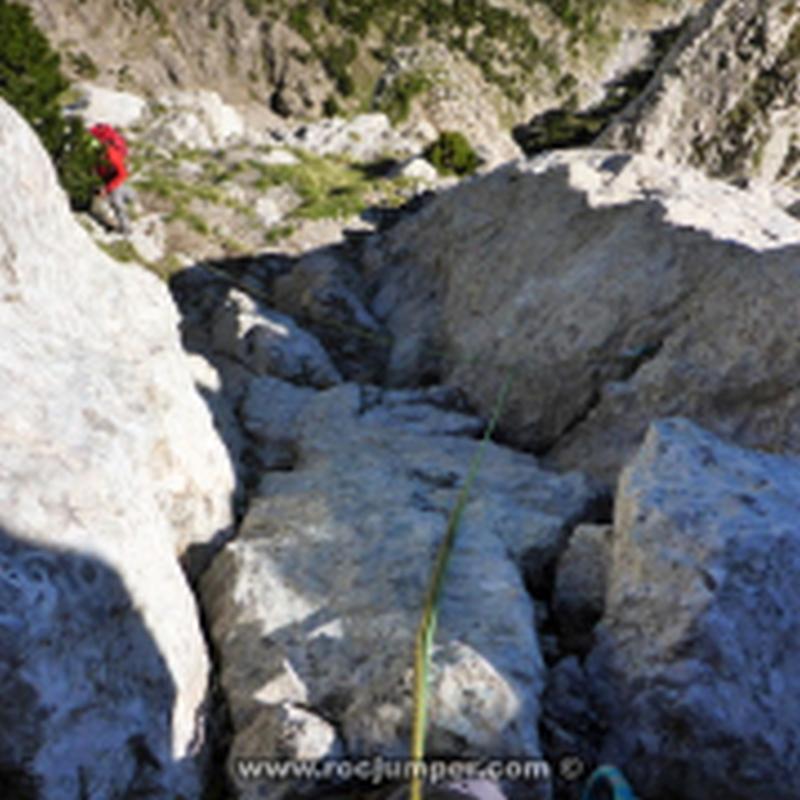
{"x":607,"y":783}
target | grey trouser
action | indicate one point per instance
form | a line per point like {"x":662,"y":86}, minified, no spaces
{"x":118,"y":199}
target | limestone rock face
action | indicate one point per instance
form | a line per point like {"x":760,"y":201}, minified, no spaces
{"x":109,"y":469}
{"x":696,"y":666}
{"x":121,"y":109}
{"x":725,"y":99}
{"x":198,"y":119}
{"x":315,"y":605}
{"x":498,"y":64}
{"x":158,"y":46}
{"x":460,"y":100}
{"x":614,"y":289}
{"x":366,"y":137}
{"x":298,"y":84}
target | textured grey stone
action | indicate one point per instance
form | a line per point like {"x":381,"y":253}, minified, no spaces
{"x":697,"y":662}
{"x":613,"y":289}
{"x":318,"y":599}
{"x":270,"y":343}
{"x":122,"y":109}
{"x":197,"y":119}
{"x":365,"y":138}
{"x":570,"y":725}
{"x":270,"y":414}
{"x":580,"y":588}
{"x":326,"y":295}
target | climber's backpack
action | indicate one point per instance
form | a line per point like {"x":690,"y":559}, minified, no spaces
{"x":110,"y":136}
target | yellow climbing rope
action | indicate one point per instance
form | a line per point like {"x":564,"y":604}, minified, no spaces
{"x":427,"y":626}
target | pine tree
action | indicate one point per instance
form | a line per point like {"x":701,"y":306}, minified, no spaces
{"x":31,"y":80}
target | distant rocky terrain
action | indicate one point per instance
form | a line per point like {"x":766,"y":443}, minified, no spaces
{"x":478,"y":66}
{"x":233,"y":441}
{"x":726,"y":98}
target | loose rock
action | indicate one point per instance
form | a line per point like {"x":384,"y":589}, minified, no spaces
{"x":695,"y":667}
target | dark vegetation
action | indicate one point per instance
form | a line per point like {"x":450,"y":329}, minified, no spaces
{"x":83,"y":65}
{"x":452,"y":154}
{"x":477,"y":28}
{"x":395,"y":99}
{"x":578,"y":15}
{"x":31,"y":80}
{"x":567,"y":127}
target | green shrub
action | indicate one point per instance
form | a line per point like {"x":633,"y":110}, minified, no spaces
{"x":452,"y":154}
{"x":331,"y":107}
{"x":395,"y":100}
{"x":300,"y":21}
{"x":84,"y":65}
{"x":254,"y":7}
{"x":336,"y":59}
{"x":32,"y":82}
{"x":559,"y":128}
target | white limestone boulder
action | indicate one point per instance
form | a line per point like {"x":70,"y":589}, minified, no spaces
{"x":109,"y":470}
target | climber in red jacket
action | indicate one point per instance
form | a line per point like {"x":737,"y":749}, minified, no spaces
{"x":114,"y":172}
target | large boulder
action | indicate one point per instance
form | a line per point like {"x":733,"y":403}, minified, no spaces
{"x":697,"y":668}
{"x":326,"y":294}
{"x":314,"y":607}
{"x":121,"y":109}
{"x":197,"y":119}
{"x":109,"y":470}
{"x":613,"y":289}
{"x":725,"y":99}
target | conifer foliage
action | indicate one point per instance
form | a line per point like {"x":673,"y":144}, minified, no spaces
{"x":31,"y":80}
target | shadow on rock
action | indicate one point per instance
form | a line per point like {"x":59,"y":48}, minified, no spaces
{"x":304,"y":320}
{"x":88,"y":697}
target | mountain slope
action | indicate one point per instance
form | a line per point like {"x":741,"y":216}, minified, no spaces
{"x":300,"y":58}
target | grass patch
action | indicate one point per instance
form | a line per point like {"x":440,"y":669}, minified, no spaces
{"x":123,"y":251}
{"x":278,"y":234}
{"x":327,"y":187}
{"x":191,"y":218}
